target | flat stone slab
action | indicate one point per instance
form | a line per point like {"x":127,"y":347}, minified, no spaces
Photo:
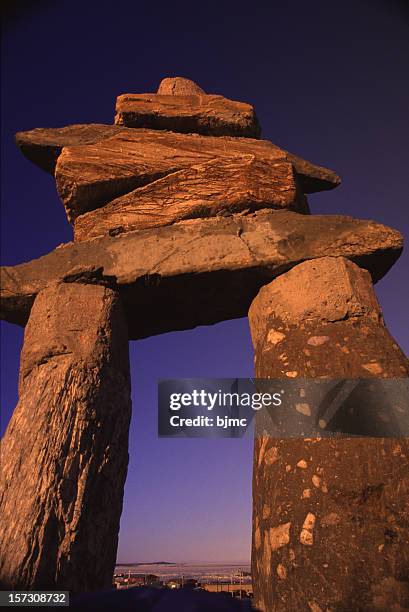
{"x":200,"y":271}
{"x":207,"y":114}
{"x":218,"y":187}
{"x":89,"y":176}
{"x":42,"y":146}
{"x":102,"y":162}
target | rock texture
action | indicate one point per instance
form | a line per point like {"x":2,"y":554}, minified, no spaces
{"x":42,"y":146}
{"x":139,"y":157}
{"x":210,"y":115}
{"x":90,"y":176}
{"x":64,"y":455}
{"x":200,"y":271}
{"x":176,"y":86}
{"x":330,"y":528}
{"x":328,"y":296}
{"x":181,"y":214}
{"x":217,"y":187}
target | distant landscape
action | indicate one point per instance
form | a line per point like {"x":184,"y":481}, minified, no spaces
{"x":144,"y":563}
{"x":196,"y":569}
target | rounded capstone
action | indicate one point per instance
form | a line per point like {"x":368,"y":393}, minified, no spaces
{"x":179,"y":86}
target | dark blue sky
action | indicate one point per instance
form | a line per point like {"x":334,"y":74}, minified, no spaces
{"x":329,"y":82}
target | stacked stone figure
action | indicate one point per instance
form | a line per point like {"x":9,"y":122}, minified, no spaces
{"x":183,"y":216}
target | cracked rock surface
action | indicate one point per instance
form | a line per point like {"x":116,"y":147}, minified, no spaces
{"x":94,"y":164}
{"x":64,"y":455}
{"x":200,"y":271}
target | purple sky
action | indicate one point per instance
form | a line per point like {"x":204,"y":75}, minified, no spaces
{"x":328,"y":82}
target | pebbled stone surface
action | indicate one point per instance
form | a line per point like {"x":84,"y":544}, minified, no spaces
{"x":340,"y":500}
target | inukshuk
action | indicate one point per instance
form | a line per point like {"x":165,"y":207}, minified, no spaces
{"x":182,"y":217}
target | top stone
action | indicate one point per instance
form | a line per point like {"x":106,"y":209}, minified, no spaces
{"x":179,"y":86}
{"x":182,"y":106}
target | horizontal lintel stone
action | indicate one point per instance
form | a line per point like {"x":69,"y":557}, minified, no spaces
{"x":200,"y":271}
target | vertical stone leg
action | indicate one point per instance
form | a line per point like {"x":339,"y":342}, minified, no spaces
{"x":64,"y":455}
{"x":330,"y":516}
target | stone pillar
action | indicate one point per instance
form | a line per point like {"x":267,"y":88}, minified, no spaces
{"x":64,"y":455}
{"x":330,"y":515}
